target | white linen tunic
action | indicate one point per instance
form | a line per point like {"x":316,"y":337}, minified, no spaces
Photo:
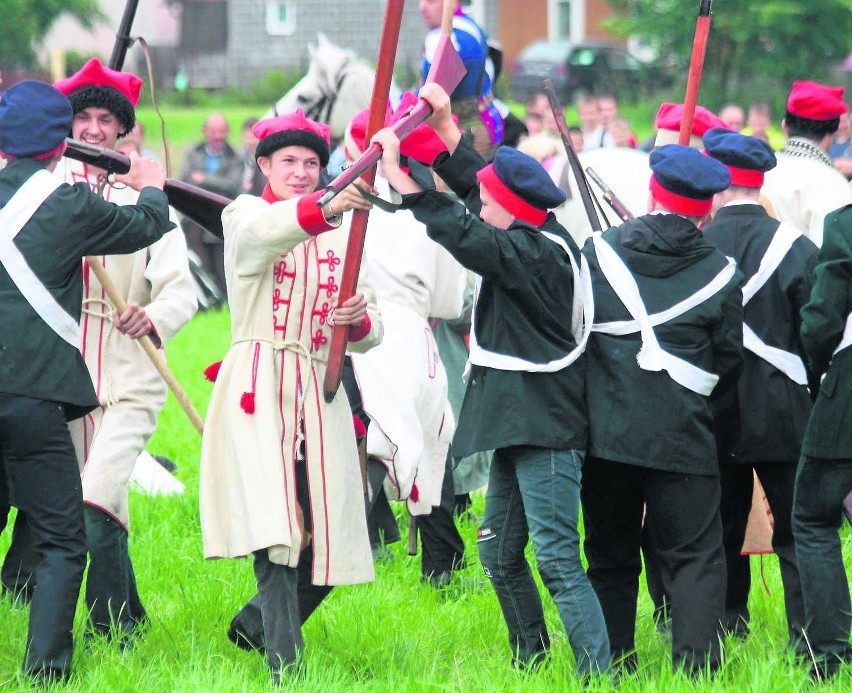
{"x":403,"y":382}
{"x":282,"y":283}
{"x":803,"y":190}
{"x":130,"y":390}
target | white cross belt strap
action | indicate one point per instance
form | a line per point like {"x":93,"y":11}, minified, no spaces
{"x":13,"y":217}
{"x":847,"y":336}
{"x":788,"y":363}
{"x":651,"y":356}
{"x":582,"y":316}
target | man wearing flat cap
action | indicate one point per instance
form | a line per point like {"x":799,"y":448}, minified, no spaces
{"x":48,"y":227}
{"x":524,"y":395}
{"x":667,"y":334}
{"x":760,"y":423}
{"x":156,"y":284}
{"x":805,"y":186}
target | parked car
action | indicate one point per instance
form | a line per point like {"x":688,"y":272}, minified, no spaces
{"x":591,"y":67}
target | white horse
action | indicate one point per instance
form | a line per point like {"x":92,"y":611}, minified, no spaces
{"x":337,"y":86}
{"x":625,"y":171}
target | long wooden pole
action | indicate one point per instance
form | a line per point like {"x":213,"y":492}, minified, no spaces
{"x":358,"y":227}
{"x":147,"y":345}
{"x":696,"y":67}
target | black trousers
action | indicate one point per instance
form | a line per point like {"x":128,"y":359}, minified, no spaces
{"x":18,"y":574}
{"x":686,"y":529}
{"x":112,"y":598}
{"x":271,"y":620}
{"x":40,"y":476}
{"x":778,"y":480}
{"x":440,"y":541}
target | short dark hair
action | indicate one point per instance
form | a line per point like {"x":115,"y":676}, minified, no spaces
{"x":810,"y":129}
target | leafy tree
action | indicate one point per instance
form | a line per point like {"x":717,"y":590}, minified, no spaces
{"x":755,"y":49}
{"x":24,"y":23}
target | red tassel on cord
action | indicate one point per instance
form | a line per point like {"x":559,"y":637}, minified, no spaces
{"x":247,"y":402}
{"x":212,"y":371}
{"x":360,"y":428}
{"x":415,"y":493}
{"x":247,"y":399}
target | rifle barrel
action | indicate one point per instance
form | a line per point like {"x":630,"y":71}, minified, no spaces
{"x":200,"y":205}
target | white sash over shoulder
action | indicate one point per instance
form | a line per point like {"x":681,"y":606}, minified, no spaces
{"x":788,"y":363}
{"x":582,"y":316}
{"x":13,"y":217}
{"x":651,"y":356}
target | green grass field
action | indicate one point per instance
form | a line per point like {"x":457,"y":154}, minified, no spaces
{"x":392,"y":635}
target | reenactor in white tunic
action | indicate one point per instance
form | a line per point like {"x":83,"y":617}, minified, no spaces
{"x":805,"y":186}
{"x":280,"y":475}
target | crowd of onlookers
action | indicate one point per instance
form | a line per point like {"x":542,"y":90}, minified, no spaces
{"x":601,"y":125}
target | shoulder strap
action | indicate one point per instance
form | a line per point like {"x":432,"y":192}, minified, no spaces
{"x":651,"y":356}
{"x":13,"y":217}
{"x":778,"y":248}
{"x":582,"y":316}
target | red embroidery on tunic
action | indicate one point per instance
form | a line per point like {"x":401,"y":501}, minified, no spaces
{"x":281,"y":272}
{"x":330,"y":287}
{"x":318,"y":340}
{"x":331,"y":260}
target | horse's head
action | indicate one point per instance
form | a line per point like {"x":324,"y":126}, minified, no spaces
{"x":337,"y":85}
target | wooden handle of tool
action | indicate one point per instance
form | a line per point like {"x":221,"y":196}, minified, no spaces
{"x":147,"y":345}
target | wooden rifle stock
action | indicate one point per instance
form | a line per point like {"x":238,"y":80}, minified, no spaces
{"x":573,"y":160}
{"x":201,"y":206}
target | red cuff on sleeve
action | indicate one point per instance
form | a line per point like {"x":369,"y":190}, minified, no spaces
{"x":309,"y":216}
{"x":356,"y":334}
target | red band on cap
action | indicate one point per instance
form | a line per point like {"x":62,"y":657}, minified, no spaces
{"x":679,"y":203}
{"x":746,"y":177}
{"x":510,"y":201}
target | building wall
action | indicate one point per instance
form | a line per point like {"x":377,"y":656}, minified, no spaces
{"x":520,"y":24}
{"x":354,"y":24}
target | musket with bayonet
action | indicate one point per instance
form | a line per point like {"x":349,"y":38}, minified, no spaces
{"x":609,"y":196}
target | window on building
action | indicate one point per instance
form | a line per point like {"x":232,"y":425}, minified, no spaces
{"x":280,"y":18}
{"x":563,"y":19}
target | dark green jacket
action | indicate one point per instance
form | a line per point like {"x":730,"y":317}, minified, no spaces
{"x":642,"y":417}
{"x":72,"y":223}
{"x":763,"y":418}
{"x":829,"y":432}
{"x":523,"y":309}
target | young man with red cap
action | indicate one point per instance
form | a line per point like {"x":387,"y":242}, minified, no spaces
{"x":667,"y":334}
{"x":760,"y":423}
{"x":48,"y":227}
{"x":524,"y":397}
{"x":669,"y":118}
{"x":156,"y":284}
{"x":805,"y":186}
{"x":280,"y":475}
{"x":824,"y":478}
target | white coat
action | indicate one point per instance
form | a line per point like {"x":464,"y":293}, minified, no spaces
{"x":130,"y":390}
{"x":282,"y":283}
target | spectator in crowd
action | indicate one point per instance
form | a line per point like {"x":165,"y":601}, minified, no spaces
{"x":621,"y":133}
{"x":253,"y":179}
{"x":589,"y":113}
{"x":840,"y":150}
{"x":732,"y":115}
{"x":607,"y":112}
{"x":215,"y":166}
